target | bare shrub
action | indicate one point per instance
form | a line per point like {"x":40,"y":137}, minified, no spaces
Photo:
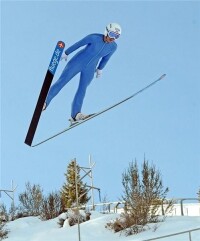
{"x":31,"y":200}
{"x":198,"y":194}
{"x":51,"y":206}
{"x":3,"y":231}
{"x":74,"y":216}
{"x":126,"y":224}
{"x":143,"y":195}
{"x":3,"y":219}
{"x":61,"y":222}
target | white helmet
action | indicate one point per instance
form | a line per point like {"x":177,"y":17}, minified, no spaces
{"x":113,"y":28}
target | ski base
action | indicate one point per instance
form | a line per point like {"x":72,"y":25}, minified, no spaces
{"x":77,"y":123}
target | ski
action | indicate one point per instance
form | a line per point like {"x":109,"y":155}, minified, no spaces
{"x":100,"y":112}
{"x":44,"y":91}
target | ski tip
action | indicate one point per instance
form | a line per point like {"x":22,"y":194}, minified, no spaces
{"x":162,"y":76}
{"x":61,"y":44}
{"x":28,"y":140}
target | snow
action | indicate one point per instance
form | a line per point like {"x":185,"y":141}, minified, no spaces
{"x":33,"y":229}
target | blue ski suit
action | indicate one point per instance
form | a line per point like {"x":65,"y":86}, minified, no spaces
{"x":85,"y":62}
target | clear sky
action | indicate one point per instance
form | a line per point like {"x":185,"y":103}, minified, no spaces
{"x":162,"y":123}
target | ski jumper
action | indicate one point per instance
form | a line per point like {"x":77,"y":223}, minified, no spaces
{"x":85,"y":62}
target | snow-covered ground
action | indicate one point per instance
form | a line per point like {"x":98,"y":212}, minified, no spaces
{"x":33,"y":229}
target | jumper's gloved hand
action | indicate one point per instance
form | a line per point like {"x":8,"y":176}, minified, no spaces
{"x":98,"y":73}
{"x":64,"y":56}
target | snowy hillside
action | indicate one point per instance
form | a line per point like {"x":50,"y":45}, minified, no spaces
{"x":33,"y":229}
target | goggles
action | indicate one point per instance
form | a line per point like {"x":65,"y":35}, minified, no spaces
{"x":113,"y":35}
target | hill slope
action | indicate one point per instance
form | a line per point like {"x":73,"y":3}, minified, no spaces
{"x":33,"y":229}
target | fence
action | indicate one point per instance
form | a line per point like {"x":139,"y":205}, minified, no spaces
{"x":175,"y":234}
{"x":180,"y":207}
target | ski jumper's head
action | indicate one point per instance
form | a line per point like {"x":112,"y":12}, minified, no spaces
{"x":112,"y":32}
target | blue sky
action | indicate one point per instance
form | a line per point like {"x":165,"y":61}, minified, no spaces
{"x":162,"y":123}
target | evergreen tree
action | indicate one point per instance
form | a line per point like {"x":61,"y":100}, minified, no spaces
{"x":68,"y":192}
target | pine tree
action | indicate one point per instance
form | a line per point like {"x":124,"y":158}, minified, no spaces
{"x":68,"y":192}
